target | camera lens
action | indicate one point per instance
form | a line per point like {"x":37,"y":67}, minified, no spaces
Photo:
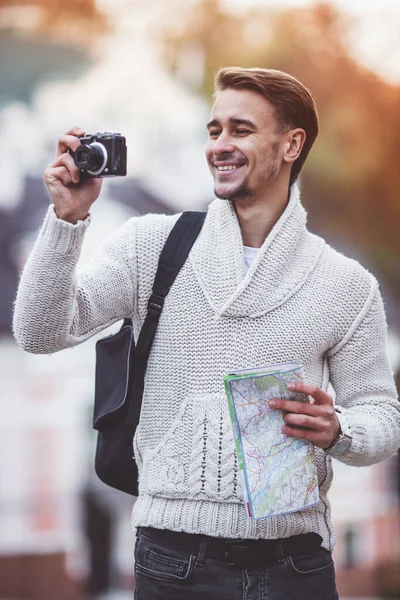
{"x":91,"y":158}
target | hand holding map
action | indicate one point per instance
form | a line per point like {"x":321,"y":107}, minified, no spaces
{"x":316,"y":421}
{"x":278,"y":472}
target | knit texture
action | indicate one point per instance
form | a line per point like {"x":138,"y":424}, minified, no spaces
{"x":299,"y":301}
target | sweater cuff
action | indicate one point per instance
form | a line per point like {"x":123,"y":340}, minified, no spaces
{"x":61,"y":236}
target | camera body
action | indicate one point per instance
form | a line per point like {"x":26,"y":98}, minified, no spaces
{"x":101,"y":155}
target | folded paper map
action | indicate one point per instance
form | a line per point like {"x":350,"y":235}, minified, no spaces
{"x":278,"y":472}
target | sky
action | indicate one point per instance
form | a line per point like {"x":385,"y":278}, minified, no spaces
{"x":375,"y":37}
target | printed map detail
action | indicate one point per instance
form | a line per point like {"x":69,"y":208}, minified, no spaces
{"x":278,"y":472}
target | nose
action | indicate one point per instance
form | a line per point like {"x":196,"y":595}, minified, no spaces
{"x":223,"y":145}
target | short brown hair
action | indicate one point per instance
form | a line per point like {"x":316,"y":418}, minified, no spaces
{"x":293,"y":103}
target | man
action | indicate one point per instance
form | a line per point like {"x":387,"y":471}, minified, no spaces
{"x":297,"y":299}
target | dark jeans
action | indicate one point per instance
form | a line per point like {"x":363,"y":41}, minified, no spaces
{"x":165,"y":573}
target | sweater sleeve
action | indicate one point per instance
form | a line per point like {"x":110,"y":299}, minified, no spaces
{"x":361,"y":376}
{"x":58,"y":306}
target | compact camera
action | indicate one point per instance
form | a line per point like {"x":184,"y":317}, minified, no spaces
{"x":101,"y":155}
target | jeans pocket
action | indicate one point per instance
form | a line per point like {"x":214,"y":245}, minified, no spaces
{"x":161,"y":562}
{"x":309,"y":564}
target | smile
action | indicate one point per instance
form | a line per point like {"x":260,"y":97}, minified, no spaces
{"x":227,"y":168}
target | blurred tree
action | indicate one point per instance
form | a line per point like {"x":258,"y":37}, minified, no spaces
{"x":43,"y":40}
{"x":29,"y":61}
{"x":77,"y":19}
{"x":351,"y":179}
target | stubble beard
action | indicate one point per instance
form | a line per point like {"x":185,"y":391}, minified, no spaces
{"x":243,"y":190}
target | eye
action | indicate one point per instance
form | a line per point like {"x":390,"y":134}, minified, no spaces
{"x":242,"y":131}
{"x":214,"y":133}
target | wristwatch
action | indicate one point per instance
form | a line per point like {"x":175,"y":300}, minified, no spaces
{"x":343,"y":441}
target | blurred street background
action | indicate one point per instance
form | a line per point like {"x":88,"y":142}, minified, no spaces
{"x":145,"y":68}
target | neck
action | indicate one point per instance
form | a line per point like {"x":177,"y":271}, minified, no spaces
{"x":257,"y":216}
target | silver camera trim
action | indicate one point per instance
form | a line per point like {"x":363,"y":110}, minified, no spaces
{"x":105,"y":158}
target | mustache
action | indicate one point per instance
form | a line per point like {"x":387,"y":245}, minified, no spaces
{"x":227,"y":158}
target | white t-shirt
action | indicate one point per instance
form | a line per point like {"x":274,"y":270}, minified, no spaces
{"x":249,"y":256}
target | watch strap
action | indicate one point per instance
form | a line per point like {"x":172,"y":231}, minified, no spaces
{"x":344,"y":438}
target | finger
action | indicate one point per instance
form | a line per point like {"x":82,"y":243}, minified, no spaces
{"x":77,"y":131}
{"x":304,"y":421}
{"x":57,"y":174}
{"x":325,"y":411}
{"x":315,"y":392}
{"x":318,"y":438}
{"x":66,"y":160}
{"x":67,"y":142}
{"x":293,"y":406}
{"x":324,"y":428}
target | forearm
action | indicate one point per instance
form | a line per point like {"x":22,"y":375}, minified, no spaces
{"x":375,"y":431}
{"x":55,"y":308}
{"x":363,"y":381}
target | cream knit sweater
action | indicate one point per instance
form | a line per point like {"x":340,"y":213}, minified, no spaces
{"x":300,"y":301}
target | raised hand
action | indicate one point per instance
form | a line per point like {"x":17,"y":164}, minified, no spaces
{"x":72,"y":199}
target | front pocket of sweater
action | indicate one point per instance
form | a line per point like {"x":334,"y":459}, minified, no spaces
{"x":196,"y":458}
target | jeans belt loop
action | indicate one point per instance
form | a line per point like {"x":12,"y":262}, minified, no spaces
{"x":202,"y":551}
{"x":280,"y":553}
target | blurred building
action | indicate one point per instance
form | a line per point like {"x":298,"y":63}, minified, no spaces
{"x":365,"y":505}
{"x":366,"y":501}
{"x":48,"y":492}
{"x":63,"y":533}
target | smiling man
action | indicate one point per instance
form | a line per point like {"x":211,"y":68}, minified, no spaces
{"x":257,"y":288}
{"x":243,"y":129}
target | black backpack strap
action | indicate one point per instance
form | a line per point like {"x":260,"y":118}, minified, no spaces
{"x":172,"y":258}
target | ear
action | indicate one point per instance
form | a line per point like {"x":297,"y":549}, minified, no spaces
{"x":294,"y":145}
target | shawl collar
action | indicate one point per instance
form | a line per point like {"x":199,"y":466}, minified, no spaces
{"x":284,"y":261}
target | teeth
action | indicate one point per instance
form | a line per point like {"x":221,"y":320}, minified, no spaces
{"x":227,"y":168}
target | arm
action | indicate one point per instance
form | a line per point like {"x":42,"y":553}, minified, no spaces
{"x":365,"y":392}
{"x":362,"y":378}
{"x":58,"y":307}
{"x":55,"y":308}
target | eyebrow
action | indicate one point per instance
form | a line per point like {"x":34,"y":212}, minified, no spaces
{"x":233,"y":121}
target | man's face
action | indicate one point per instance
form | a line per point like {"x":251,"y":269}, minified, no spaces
{"x":243,"y":149}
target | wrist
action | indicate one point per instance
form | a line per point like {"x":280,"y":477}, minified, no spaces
{"x":336,"y":433}
{"x":62,"y":236}
{"x":69,"y":217}
{"x":342,"y":443}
